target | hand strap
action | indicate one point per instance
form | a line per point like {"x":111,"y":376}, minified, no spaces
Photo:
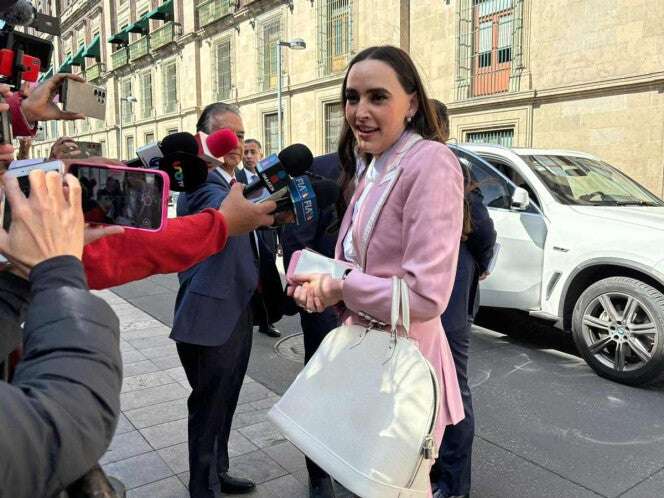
{"x":400,"y":306}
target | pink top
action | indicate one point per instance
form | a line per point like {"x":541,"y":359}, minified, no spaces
{"x":410,"y":226}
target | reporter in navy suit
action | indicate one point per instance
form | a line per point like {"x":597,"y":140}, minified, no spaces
{"x":451,"y":472}
{"x":213,"y":324}
{"x":268,"y":299}
{"x":315,"y":326}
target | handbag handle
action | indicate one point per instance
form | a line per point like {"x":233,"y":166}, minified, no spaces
{"x":400,"y":306}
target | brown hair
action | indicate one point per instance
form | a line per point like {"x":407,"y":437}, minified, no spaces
{"x":423,"y":122}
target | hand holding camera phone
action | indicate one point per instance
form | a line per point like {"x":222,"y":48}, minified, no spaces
{"x":111,"y":195}
{"x":84,"y":98}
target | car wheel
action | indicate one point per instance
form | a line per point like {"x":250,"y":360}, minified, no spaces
{"x":618,"y":327}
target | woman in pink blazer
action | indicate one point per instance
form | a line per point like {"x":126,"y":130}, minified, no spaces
{"x":405,"y":212}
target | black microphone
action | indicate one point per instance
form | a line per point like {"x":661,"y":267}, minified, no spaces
{"x":275,"y":172}
{"x":23,"y":13}
{"x":177,"y":156}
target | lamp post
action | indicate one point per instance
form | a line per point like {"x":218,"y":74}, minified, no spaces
{"x":295,"y":44}
{"x":131,"y":99}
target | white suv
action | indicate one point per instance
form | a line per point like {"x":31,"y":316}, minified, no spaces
{"x":582,"y":246}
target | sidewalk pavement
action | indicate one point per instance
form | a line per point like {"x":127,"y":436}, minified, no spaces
{"x":149,"y":450}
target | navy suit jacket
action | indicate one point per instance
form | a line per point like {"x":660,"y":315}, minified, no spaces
{"x":267,"y":237}
{"x":474,"y":256}
{"x":214,"y":293}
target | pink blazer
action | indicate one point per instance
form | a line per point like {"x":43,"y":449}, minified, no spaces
{"x":414,"y":233}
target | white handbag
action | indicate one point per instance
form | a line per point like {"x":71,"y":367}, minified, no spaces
{"x":364,"y":408}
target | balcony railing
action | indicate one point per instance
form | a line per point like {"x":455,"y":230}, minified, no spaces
{"x":120,"y":58}
{"x":139,"y":48}
{"x":211,"y":10}
{"x":94,"y":72}
{"x":162,"y":36}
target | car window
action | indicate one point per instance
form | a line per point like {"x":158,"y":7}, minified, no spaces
{"x":510,"y":172}
{"x":495,"y":189}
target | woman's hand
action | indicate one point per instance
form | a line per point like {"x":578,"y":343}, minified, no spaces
{"x":317,"y":291}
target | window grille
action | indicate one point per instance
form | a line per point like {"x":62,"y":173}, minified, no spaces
{"x":270,"y":133}
{"x":170,"y":87}
{"x":146,"y":95}
{"x":269,"y":35}
{"x":223,"y":63}
{"x":335,"y":35}
{"x":498,"y":137}
{"x":334,"y":119}
{"x":489,"y":47}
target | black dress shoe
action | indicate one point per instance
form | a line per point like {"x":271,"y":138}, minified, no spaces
{"x":321,"y":488}
{"x":270,"y":330}
{"x":235,"y":485}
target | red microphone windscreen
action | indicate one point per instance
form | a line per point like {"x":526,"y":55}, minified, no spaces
{"x":221,"y":142}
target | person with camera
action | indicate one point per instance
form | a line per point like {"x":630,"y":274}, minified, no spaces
{"x":60,"y":410}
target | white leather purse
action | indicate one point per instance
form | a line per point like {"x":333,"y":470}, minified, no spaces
{"x":364,"y":408}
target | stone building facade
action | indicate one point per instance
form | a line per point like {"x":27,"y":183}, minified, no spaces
{"x":573,"y":74}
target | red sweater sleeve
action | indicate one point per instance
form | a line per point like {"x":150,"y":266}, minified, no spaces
{"x":20,"y":127}
{"x":134,"y":254}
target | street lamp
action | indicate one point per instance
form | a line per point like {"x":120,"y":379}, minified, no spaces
{"x":295,"y":44}
{"x":131,"y":100}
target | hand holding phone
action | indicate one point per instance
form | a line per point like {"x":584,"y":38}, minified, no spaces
{"x":45,"y":225}
{"x":133,"y":198}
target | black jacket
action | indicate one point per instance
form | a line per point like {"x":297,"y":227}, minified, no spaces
{"x":58,"y":415}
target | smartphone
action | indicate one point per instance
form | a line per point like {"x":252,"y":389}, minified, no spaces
{"x":134,"y":198}
{"x":90,"y":100}
{"x":21,"y":174}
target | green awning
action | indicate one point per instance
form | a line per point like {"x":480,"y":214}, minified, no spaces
{"x":47,"y":74}
{"x":66,"y":65}
{"x":162,"y":13}
{"x":78,"y":59}
{"x":94,"y":49}
{"x":121,"y":37}
{"x":141,"y":26}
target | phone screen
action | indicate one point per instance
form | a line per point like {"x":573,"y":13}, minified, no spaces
{"x":127,"y":198}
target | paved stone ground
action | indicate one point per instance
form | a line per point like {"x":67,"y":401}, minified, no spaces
{"x":149,"y":450}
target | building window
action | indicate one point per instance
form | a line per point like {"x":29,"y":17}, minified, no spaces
{"x":149,"y":138}
{"x":271,"y":133}
{"x":489,"y":47}
{"x":335,"y":39}
{"x":127,"y":107}
{"x":146,"y":95}
{"x":103,"y":147}
{"x":498,"y":137}
{"x":170,"y":86}
{"x":53,"y":132}
{"x":171,"y":131}
{"x":270,"y":33}
{"x":334,"y":119}
{"x":223,"y":66}
{"x":131,"y":152}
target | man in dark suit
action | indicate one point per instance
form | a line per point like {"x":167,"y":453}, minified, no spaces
{"x":315,"y":326}
{"x":213,"y":323}
{"x":266,"y":241}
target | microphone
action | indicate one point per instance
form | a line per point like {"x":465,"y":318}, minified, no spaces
{"x":18,"y":13}
{"x":181,"y":163}
{"x":275,"y":172}
{"x":221,"y":142}
{"x":307,"y":198}
{"x":23,"y":13}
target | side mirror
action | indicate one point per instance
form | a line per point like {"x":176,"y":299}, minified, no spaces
{"x":520,"y":199}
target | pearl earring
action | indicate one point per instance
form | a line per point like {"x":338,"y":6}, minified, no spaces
{"x":409,"y":118}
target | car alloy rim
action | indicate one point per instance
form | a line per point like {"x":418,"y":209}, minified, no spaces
{"x":619,"y":331}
